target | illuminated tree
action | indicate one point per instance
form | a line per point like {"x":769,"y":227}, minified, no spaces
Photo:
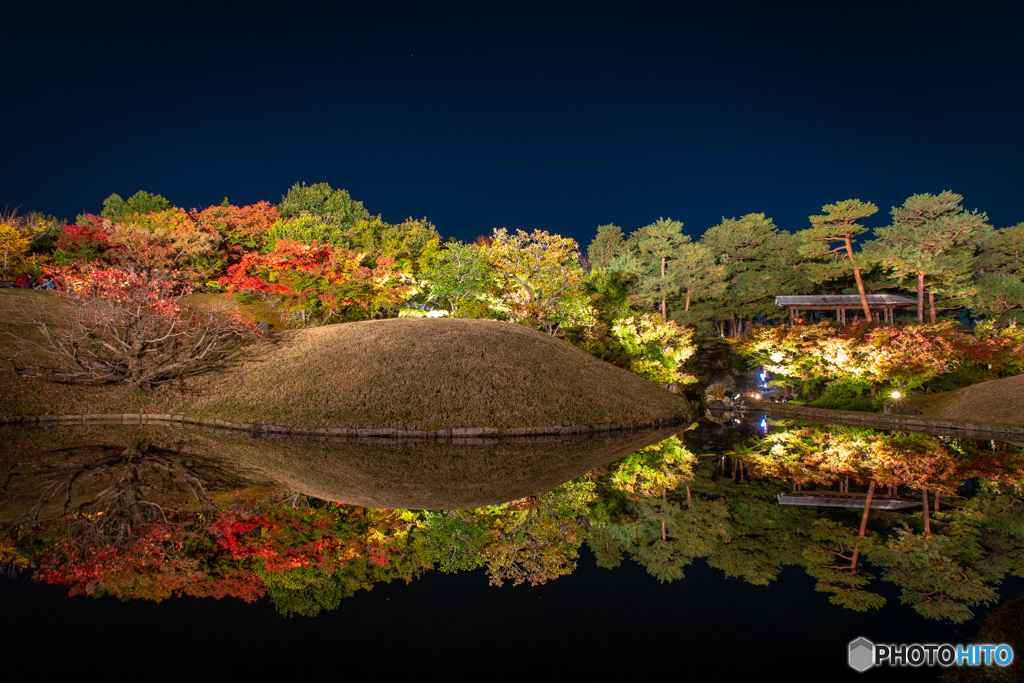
{"x":657,"y":349}
{"x":540,"y":278}
{"x":664,"y":465}
{"x":459,"y":276}
{"x":838,"y":224}
{"x":933,"y":238}
{"x":14,"y":246}
{"x":606,"y":246}
{"x":245,"y":227}
{"x":536,"y":539}
{"x":650,"y":255}
{"x":164,"y":241}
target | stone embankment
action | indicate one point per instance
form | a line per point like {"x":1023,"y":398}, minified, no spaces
{"x":259,"y":428}
{"x":912,"y":423}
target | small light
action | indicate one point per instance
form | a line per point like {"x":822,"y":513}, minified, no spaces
{"x":897,"y":395}
{"x":757,"y":396}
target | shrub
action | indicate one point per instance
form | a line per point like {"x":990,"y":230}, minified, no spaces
{"x":130,"y":328}
{"x":657,"y":348}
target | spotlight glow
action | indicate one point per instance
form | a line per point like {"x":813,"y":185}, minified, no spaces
{"x":897,"y":395}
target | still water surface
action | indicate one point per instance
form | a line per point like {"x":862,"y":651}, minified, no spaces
{"x":628,"y":554}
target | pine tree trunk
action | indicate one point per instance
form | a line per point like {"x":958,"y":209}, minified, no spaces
{"x":860,"y":282}
{"x":664,"y":311}
{"x":867,"y":508}
{"x":931,"y":306}
{"x":863,"y":525}
{"x":920,"y":297}
{"x":687,"y":299}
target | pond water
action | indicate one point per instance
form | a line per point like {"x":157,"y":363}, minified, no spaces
{"x":734,"y":548}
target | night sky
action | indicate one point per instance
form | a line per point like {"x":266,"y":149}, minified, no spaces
{"x":552,"y":115}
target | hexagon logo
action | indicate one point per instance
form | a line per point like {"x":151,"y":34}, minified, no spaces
{"x":862,"y":654}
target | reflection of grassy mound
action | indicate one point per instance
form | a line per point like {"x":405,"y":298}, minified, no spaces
{"x":1000,"y":400}
{"x":426,"y":374}
{"x":432,"y":475}
{"x":417,"y":475}
{"x":60,"y":468}
{"x":405,"y":373}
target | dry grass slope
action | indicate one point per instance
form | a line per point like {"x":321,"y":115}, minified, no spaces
{"x":405,"y":373}
{"x":998,"y":401}
{"x":429,"y":374}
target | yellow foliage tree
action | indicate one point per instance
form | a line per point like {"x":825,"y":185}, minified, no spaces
{"x":14,"y":244}
{"x":540,"y":278}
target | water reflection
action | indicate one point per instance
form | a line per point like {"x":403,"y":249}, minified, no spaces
{"x":152,"y":513}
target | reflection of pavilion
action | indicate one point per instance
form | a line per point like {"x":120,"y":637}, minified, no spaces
{"x":883,"y":306}
{"x":836,"y":499}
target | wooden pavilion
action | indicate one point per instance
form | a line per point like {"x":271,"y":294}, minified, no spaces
{"x":883,"y":306}
{"x":836,"y":499}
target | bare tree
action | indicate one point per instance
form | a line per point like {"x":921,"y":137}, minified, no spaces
{"x":126,"y":327}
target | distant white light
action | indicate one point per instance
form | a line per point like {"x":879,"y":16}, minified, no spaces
{"x":897,"y":395}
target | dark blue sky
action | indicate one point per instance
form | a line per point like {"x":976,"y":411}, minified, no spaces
{"x":554,"y":115}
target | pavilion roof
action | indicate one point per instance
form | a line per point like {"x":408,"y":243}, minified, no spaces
{"x":841,"y":300}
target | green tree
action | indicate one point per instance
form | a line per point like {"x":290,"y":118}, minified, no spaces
{"x":998,"y":296}
{"x":606,"y":246}
{"x":759,"y":263}
{"x":700,"y":276}
{"x":651,"y":256}
{"x":932,"y":238}
{"x":540,"y":278}
{"x":838,"y":224}
{"x":459,"y":275}
{"x":941,"y":575}
{"x":117,"y":209}
{"x":1009,"y":245}
{"x":830,"y":558}
{"x":333,"y":207}
{"x":452,"y":539}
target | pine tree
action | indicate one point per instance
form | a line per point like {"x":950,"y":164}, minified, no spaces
{"x":652,"y":253}
{"x":933,"y":239}
{"x":838,"y":224}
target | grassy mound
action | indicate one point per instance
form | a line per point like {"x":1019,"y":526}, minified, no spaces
{"x":404,"y":373}
{"x":430,"y":374}
{"x":1000,"y":401}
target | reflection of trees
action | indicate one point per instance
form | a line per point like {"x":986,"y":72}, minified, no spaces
{"x":1005,"y":625}
{"x":131,"y":481}
{"x":532,"y":540}
{"x":125,"y":527}
{"x":128,"y":517}
{"x":946,"y":562}
{"x":662,"y":532}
